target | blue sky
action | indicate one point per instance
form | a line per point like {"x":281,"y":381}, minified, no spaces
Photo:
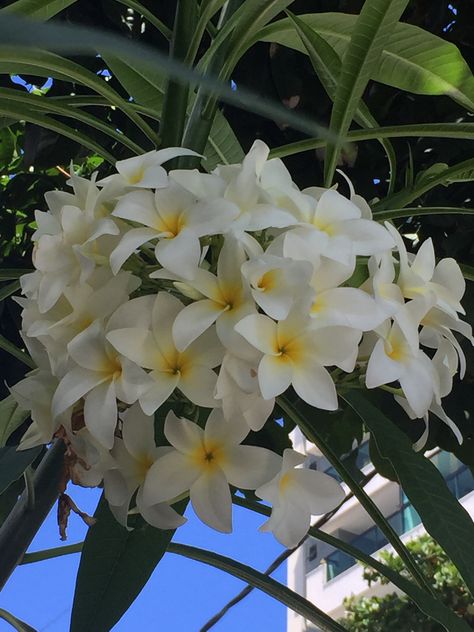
{"x":181,"y":594}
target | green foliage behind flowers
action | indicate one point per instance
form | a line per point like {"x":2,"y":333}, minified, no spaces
{"x":393,"y":612}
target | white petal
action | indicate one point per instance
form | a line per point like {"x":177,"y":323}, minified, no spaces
{"x":260,"y":331}
{"x":180,"y":255}
{"x":100,"y":413}
{"x":316,"y":491}
{"x":158,"y":392}
{"x":161,"y":515}
{"x":198,"y":384}
{"x":132,"y":240}
{"x":138,"y":206}
{"x":274,"y":375}
{"x":138,"y":345}
{"x":74,"y":385}
{"x":212,"y":502}
{"x":221,"y":432}
{"x":134,"y":313}
{"x":193,"y":320}
{"x":248,"y":467}
{"x":184,"y":435}
{"x":349,"y":307}
{"x":288,"y":524}
{"x":417,"y":382}
{"x":381,"y":369}
{"x":170,"y":476}
{"x":315,"y":386}
{"x":138,"y":431}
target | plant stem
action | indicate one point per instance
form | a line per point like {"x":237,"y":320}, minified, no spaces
{"x":367,"y":503}
{"x":22,"y":524}
{"x":49,"y":554}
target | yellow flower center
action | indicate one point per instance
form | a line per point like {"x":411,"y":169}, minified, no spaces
{"x":267,"y":281}
{"x":144,"y":462}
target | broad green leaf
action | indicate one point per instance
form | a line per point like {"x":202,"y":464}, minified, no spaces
{"x":263,"y":582}
{"x":413,"y":59}
{"x":43,"y":63}
{"x":115,"y":565}
{"x":13,"y":463}
{"x":13,"y":350}
{"x":11,"y":417}
{"x":147,"y":87}
{"x":464,"y":131}
{"x":468,"y":271}
{"x":371,"y":29}
{"x":22,"y":36}
{"x":37,"y":9}
{"x":7,"y":147}
{"x":327,"y":66}
{"x":54,"y":107}
{"x":16,"y":623}
{"x":442,"y":515}
{"x":428,"y":604}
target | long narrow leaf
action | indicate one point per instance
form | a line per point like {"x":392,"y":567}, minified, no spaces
{"x":414,"y":211}
{"x":8,"y":290}
{"x":11,"y":417}
{"x":54,"y":107}
{"x":264,"y":583}
{"x":17,"y":624}
{"x":463,"y":131}
{"x":327,"y":65}
{"x":147,"y":14}
{"x":37,"y":9}
{"x":413,"y":59}
{"x":427,"y":604}
{"x":442,"y":515}
{"x":41,"y":62}
{"x":115,"y":565}
{"x":6,"y":274}
{"x":13,"y":350}
{"x":26,"y":114}
{"x":374,"y":24}
{"x":25,"y":34}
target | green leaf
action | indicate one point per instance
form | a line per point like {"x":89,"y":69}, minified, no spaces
{"x":47,"y":104}
{"x":442,"y":515}
{"x":412,"y":59}
{"x":16,"y":623}
{"x":327,"y":66}
{"x":263,"y":582}
{"x":39,"y":62}
{"x":147,"y":87}
{"x":428,"y":604}
{"x":464,"y":131}
{"x":412,"y":193}
{"x":7,"y":147}
{"x":8,"y":290}
{"x":13,"y":350}
{"x":414,"y":211}
{"x":468,"y":271}
{"x":115,"y":565}
{"x":371,"y":29}
{"x":13,"y":463}
{"x":148,"y":15}
{"x":37,"y":9}
{"x":6,"y":274}
{"x":22,"y":35}
{"x":11,"y":418}
{"x":22,"y":113}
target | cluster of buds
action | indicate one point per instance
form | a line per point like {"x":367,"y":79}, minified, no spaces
{"x":219,"y":292}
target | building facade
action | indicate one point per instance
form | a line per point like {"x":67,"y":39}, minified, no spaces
{"x":324,"y":575}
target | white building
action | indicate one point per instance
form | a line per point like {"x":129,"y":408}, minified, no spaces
{"x":324,"y":575}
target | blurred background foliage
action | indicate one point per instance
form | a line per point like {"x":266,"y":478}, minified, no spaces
{"x":34,"y":160}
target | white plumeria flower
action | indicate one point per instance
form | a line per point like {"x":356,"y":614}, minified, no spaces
{"x":226,"y":300}
{"x":238,"y":389}
{"x":347,"y":307}
{"x":293,"y":353}
{"x":133,"y":455}
{"x":205,"y":462}
{"x":244,"y":190}
{"x":177,"y":219}
{"x":423,"y":275}
{"x":70,"y":256}
{"x":380,"y":283}
{"x":151,"y":346}
{"x":394,"y":359}
{"x":295,"y":495}
{"x":144,"y":171}
{"x":101,"y":376}
{"x":277,"y":282}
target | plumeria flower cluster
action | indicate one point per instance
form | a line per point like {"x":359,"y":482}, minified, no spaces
{"x":168,"y":311}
